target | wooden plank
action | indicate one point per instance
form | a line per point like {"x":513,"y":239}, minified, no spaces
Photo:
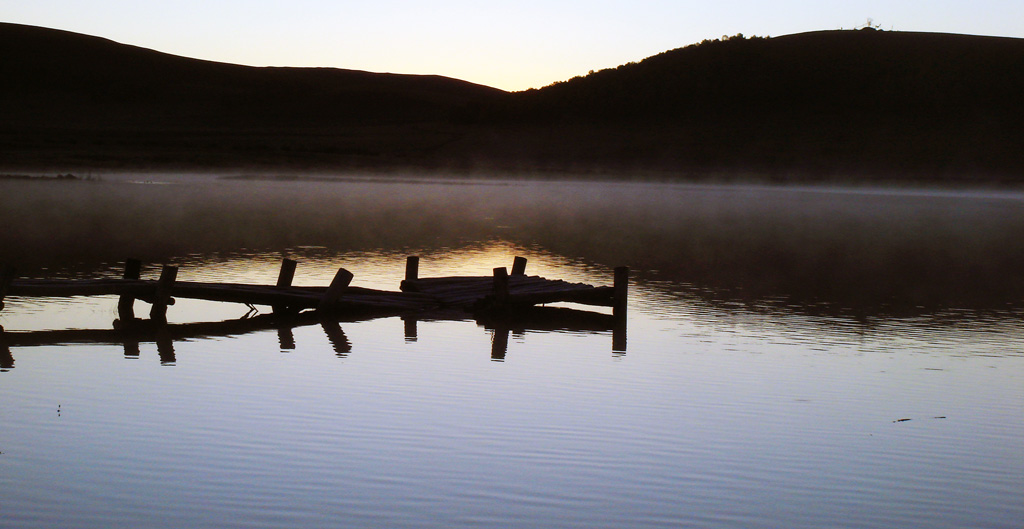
{"x":251,"y":294}
{"x":84,"y":287}
{"x":598,"y":296}
{"x":305,"y":297}
{"x":425,"y":281}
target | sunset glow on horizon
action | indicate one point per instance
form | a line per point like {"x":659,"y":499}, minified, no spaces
{"x":510,"y":46}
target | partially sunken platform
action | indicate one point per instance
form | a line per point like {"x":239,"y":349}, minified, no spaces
{"x":503,"y":301}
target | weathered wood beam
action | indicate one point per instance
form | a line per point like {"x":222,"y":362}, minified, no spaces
{"x":338,"y":285}
{"x":140,"y":289}
{"x":500,"y":290}
{"x":164,"y":286}
{"x":126,"y":303}
{"x":621,"y":286}
{"x":412,"y":268}
{"x":284,"y":282}
{"x":519,"y":266}
{"x":7,"y":273}
{"x":597,"y":296}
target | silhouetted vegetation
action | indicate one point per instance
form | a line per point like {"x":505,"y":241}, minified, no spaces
{"x":826,"y":102}
{"x":832,"y":104}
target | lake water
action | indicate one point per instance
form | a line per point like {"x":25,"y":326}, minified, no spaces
{"x":796,"y":357}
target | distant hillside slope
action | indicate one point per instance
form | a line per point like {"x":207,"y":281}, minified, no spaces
{"x":830,"y":99}
{"x":57,"y":78}
{"x":859,"y":75}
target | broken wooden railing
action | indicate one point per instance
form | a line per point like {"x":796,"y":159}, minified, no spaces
{"x":503,"y":302}
{"x":337,"y":297}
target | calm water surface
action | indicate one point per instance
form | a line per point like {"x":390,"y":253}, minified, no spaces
{"x":797,"y":357}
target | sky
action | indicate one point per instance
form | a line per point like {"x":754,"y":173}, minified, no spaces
{"x":509,"y":45}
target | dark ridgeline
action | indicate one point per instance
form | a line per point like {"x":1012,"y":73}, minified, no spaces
{"x":80,"y":101}
{"x":829,"y":102}
{"x":61,"y":78}
{"x":825,"y":104}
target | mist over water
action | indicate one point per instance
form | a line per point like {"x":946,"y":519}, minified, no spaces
{"x":797,"y":357}
{"x":869,"y":247}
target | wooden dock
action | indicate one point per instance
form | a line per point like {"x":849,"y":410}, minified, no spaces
{"x":512,"y":292}
{"x":502,"y":302}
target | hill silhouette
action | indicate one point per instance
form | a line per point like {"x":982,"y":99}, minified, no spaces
{"x":831,"y":101}
{"x":71,"y":100}
{"x":831,"y":104}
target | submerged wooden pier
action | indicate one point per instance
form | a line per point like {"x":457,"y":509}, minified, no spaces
{"x":504,"y":302}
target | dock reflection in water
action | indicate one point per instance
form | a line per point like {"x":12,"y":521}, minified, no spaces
{"x":165,"y":335}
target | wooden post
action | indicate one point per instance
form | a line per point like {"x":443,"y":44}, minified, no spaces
{"x":412,"y":268}
{"x":161,"y":299}
{"x":284,"y":281}
{"x":287,"y":273}
{"x":338,"y":285}
{"x":126,"y":303}
{"x":621,"y":291}
{"x":500,"y":286}
{"x":621,"y":295}
{"x":519,"y":266}
{"x":6,"y":358}
{"x":6,"y":278}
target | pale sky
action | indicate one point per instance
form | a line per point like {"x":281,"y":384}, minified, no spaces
{"x":509,"y":45}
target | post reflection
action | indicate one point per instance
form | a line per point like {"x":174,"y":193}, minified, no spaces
{"x":339,"y":342}
{"x":409,"y":324}
{"x":619,"y":337}
{"x":131,"y":334}
{"x":286,"y":338}
{"x":6,"y":358}
{"x":499,"y":343}
{"x":518,"y":323}
{"x":131,"y":348}
{"x":165,"y":348}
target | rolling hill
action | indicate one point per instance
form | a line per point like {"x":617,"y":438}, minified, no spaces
{"x":832,"y":104}
{"x":835,"y":102}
